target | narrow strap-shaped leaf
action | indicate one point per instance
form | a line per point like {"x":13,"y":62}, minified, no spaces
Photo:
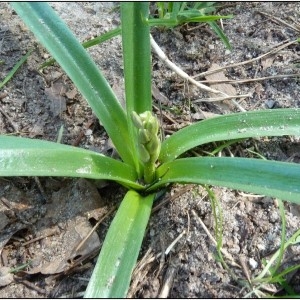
{"x":277,"y":122}
{"x":270,"y":178}
{"x":15,"y":69}
{"x":28,"y":157}
{"x":137,"y":55}
{"x":92,"y":42}
{"x":137,"y":66}
{"x":112,"y":273}
{"x":54,"y":34}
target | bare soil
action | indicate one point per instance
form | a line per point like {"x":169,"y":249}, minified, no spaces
{"x":43,"y":221}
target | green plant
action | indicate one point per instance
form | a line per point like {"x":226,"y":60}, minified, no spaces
{"x":14,"y":69}
{"x":147,"y":164}
{"x":271,"y":273}
{"x":171,"y":14}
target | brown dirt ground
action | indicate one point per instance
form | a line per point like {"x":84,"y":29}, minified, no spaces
{"x":43,"y":221}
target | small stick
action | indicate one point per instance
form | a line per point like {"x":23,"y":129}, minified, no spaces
{"x":220,"y":99}
{"x":213,"y":240}
{"x":276,"y":49}
{"x":250,"y":80}
{"x":42,"y":191}
{"x":169,"y":198}
{"x":163,"y":255}
{"x":14,"y":126}
{"x":40,"y":237}
{"x":171,"y":246}
{"x":245,"y":269}
{"x":73,"y":295}
{"x":169,"y":278}
{"x":30,"y":285}
{"x":165,"y":115}
{"x":278,"y":20}
{"x":94,"y":228}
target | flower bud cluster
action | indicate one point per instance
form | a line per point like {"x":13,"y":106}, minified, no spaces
{"x":148,"y":140}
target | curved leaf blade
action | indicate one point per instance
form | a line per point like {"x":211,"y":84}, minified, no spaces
{"x":276,"y":122}
{"x":270,"y":178}
{"x":54,"y":34}
{"x":15,"y":69}
{"x":28,"y":157}
{"x":112,"y":273}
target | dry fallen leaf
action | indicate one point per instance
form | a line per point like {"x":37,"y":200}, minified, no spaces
{"x":222,"y":87}
{"x":5,"y":276}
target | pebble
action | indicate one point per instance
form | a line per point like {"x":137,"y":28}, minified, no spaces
{"x":89,"y":132}
{"x":270,"y":103}
{"x":253,"y":263}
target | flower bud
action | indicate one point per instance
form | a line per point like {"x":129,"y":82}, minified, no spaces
{"x":146,"y":116}
{"x":144,"y":155}
{"x":136,"y":120}
{"x":152,"y":126}
{"x":143,"y":136}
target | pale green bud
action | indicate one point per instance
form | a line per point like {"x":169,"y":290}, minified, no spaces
{"x":138,"y":123}
{"x":143,"y":136}
{"x":146,"y":116}
{"x":153,"y":148}
{"x":152,"y":145}
{"x":152,"y":126}
{"x":144,"y":155}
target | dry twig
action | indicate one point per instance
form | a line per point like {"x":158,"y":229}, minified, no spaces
{"x":250,"y":80}
{"x":276,"y":49}
{"x":225,"y":253}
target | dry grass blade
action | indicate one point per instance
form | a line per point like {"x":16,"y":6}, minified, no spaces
{"x":276,"y":49}
{"x":94,"y":228}
{"x":225,"y":253}
{"x":278,"y":20}
{"x":250,"y":80}
{"x":168,"y":280}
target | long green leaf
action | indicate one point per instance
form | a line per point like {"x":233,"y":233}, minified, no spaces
{"x":220,"y":34}
{"x":137,"y":54}
{"x":28,"y":157}
{"x":277,"y":122}
{"x":93,"y":42}
{"x":137,"y":66}
{"x":15,"y":69}
{"x":54,"y":34}
{"x":270,"y":178}
{"x":112,"y":273}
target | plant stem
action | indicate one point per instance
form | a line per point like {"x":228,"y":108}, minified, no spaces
{"x":149,"y":172}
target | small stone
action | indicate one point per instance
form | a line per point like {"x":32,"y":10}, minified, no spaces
{"x":253,"y":263}
{"x":89,"y":132}
{"x":270,"y":103}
